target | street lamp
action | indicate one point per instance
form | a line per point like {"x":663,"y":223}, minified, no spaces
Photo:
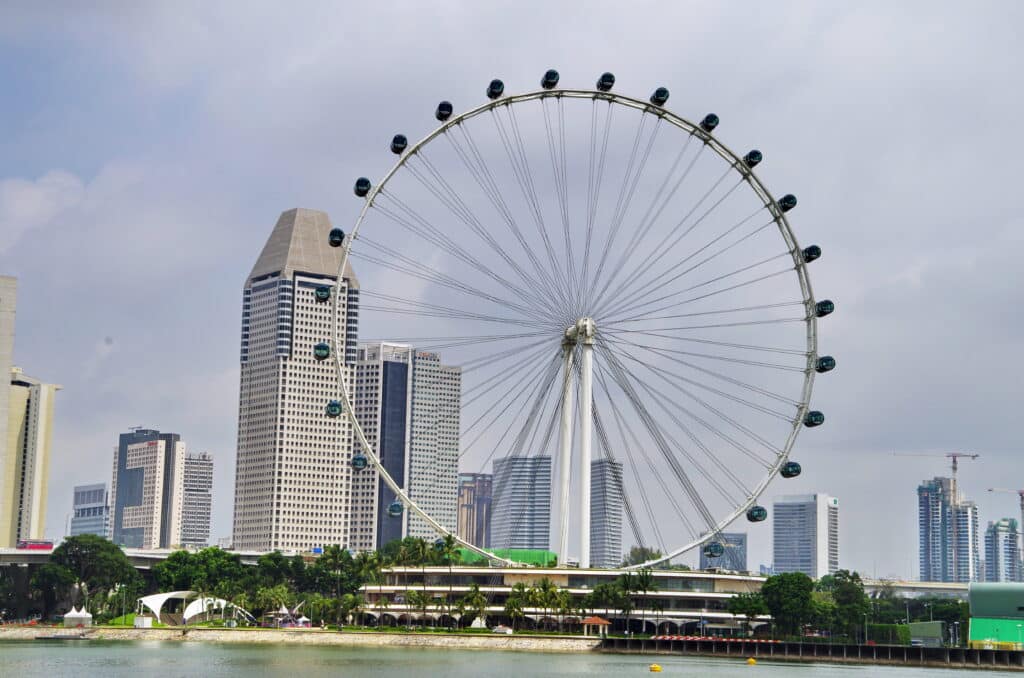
{"x":865,"y":628}
{"x":931,"y":613}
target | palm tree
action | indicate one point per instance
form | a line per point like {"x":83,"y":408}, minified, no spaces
{"x":417,"y":600}
{"x":516,"y":603}
{"x":643,"y":583}
{"x":451,"y":554}
{"x":545,"y":596}
{"x":334,"y":559}
{"x":476,"y":602}
{"x":421,"y":551}
{"x":626,"y":583}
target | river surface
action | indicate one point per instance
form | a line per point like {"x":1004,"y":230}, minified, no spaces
{"x":60,"y":659}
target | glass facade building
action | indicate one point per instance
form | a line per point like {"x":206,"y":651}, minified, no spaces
{"x":91,"y":510}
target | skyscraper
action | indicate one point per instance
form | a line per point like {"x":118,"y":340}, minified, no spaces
{"x":91,"y":510}
{"x":735,"y":556}
{"x":408,"y":405}
{"x":806,"y":534}
{"x":605,"y":513}
{"x":475,"y":492}
{"x":293,"y":474}
{"x":8,"y":303}
{"x":147,"y":490}
{"x":948,"y":533}
{"x":521,"y":503}
{"x":25,"y":457}
{"x":1002,"y":551}
{"x":197,"y":500}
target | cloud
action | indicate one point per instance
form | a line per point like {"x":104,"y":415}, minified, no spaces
{"x":26,"y":205}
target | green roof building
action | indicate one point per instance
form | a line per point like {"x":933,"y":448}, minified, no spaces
{"x":997,"y":616}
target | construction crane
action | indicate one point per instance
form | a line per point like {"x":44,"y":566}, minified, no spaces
{"x":1019,"y":493}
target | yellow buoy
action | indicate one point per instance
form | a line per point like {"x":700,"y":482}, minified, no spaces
{"x":655,"y":668}
{"x":751,"y":661}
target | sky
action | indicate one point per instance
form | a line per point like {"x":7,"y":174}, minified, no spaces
{"x":146,"y":152}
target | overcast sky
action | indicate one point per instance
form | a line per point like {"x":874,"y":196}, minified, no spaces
{"x":146,"y":152}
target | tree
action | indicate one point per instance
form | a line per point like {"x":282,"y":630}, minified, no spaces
{"x":515,"y":604}
{"x":96,"y":563}
{"x":788,"y":597}
{"x":643,"y":583}
{"x":749,"y":605}
{"x":417,"y":600}
{"x":476,"y":602}
{"x":626,"y":583}
{"x":852,"y":604}
{"x":640,"y":554}
{"x":53,"y":583}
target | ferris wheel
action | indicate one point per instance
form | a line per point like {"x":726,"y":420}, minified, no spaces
{"x":616,"y":285}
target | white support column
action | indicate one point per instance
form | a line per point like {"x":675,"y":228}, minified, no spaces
{"x":586,"y":417}
{"x":565,"y":453}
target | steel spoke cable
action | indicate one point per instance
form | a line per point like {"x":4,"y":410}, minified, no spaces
{"x":710,"y":356}
{"x":556,"y":150}
{"x":605,"y":447}
{"x":594,"y":180}
{"x":750,"y":347}
{"x":699,"y":314}
{"x":403,"y":307}
{"x":504,"y":374}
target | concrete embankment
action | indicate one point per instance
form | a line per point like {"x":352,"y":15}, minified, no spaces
{"x":318,"y":637}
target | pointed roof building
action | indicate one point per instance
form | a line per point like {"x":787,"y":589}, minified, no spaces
{"x":296,"y":245}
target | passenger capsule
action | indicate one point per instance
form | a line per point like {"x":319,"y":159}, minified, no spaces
{"x":495,"y":89}
{"x":753,"y":158}
{"x":605,"y":82}
{"x":814,"y":418}
{"x":444,"y":111}
{"x":660,"y":96}
{"x":395,"y":509}
{"x":399,"y":144}
{"x":823,"y":308}
{"x":322,"y":293}
{"x":550,"y":79}
{"x":787,"y":202}
{"x":709,"y":123}
{"x":714,"y":549}
{"x":336,"y":237}
{"x":811,"y":253}
{"x":359,"y":461}
{"x":333,"y":409}
{"x":825,"y":363}
{"x":322,"y":351}
{"x":757,"y":513}
{"x":790,"y":469}
{"x":362,"y":187}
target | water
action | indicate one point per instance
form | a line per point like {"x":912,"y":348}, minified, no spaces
{"x":57,"y":659}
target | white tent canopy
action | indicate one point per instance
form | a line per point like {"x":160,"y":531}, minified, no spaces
{"x":198,"y":605}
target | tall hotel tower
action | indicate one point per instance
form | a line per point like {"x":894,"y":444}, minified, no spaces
{"x":521,"y":504}
{"x":408,"y":405}
{"x":293,"y":471}
{"x":606,"y":513}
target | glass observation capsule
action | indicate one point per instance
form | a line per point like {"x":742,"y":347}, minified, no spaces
{"x":333,"y":409}
{"x":825,"y":363}
{"x":395,"y":509}
{"x":495,"y":89}
{"x":787,"y":202}
{"x":605,"y":82}
{"x":550,"y":79}
{"x":444,"y":111}
{"x":336,"y":237}
{"x":790,"y":469}
{"x":753,"y":158}
{"x":362,"y":187}
{"x":399,"y":144}
{"x":714,"y":549}
{"x":824,"y":307}
{"x":709,"y":123}
{"x":757,"y":513}
{"x":814,"y":418}
{"x":811,"y":253}
{"x":322,"y":293}
{"x":359,"y":461}
{"x":322,"y":351}
{"x":660,"y":96}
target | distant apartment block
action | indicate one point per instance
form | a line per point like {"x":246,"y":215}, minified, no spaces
{"x":91,"y":511}
{"x":1002,"y":551}
{"x":806,"y":534}
{"x":947,"y":533}
{"x":197,"y":500}
{"x":606,"y":505}
{"x":474,"y":519}
{"x":521,"y":503}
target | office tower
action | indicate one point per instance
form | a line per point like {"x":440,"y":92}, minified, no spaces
{"x":948,"y":533}
{"x":1002,"y":551}
{"x":475,"y":492}
{"x":91,"y":511}
{"x":8,"y":303}
{"x":25,"y":457}
{"x":735,"y":556}
{"x":147,"y":490}
{"x":806,"y":534}
{"x":408,"y":405}
{"x":197,"y":500}
{"x":293,"y":473}
{"x":521,"y":503}
{"x":605,"y":513}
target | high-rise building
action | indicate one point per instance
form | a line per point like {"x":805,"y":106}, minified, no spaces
{"x":475,"y":492}
{"x":734,"y":557}
{"x":521,"y":503}
{"x":948,"y":533}
{"x":25,"y":457}
{"x":91,"y":511}
{"x":197,"y":500}
{"x":408,"y":405}
{"x":8,"y":304}
{"x":147,"y":490}
{"x":293,"y":472}
{"x":1002,"y":551}
{"x":806,"y":534}
{"x":605,"y":513}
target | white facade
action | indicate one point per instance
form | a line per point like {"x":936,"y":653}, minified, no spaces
{"x":147,"y":490}
{"x":606,"y":513}
{"x":806,"y":534}
{"x":197,"y":500}
{"x":293,"y":473}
